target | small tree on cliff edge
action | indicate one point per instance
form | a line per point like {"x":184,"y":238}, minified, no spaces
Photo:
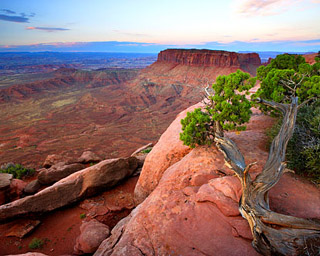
{"x":227,"y":109}
{"x":283,"y":81}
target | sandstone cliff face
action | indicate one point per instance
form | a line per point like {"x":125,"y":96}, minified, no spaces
{"x":209,"y":58}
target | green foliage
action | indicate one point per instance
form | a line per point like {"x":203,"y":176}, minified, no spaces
{"x":36,"y":243}
{"x":146,"y":151}
{"x":231,"y":107}
{"x":303,"y":151}
{"x":83,"y":215}
{"x":228,"y":106}
{"x":196,"y":128}
{"x":285,"y":77}
{"x":17,"y":170}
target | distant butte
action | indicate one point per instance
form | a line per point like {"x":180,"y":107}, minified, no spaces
{"x":210,"y":58}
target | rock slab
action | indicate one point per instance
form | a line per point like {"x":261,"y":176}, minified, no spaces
{"x":79,"y":185}
{"x":58,"y":172}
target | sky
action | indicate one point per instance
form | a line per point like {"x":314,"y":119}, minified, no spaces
{"x":153,"y":25}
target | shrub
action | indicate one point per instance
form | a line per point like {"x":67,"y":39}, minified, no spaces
{"x":17,"y":170}
{"x":82,"y":215}
{"x":146,"y":151}
{"x":36,"y":243}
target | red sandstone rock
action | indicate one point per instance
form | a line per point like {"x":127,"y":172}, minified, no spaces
{"x":21,"y":228}
{"x":186,"y":215}
{"x":52,"y":160}
{"x":209,"y":58}
{"x":5,"y":180}
{"x":58,"y":172}
{"x":89,"y":157}
{"x":76,"y":186}
{"x":16,"y":188}
{"x":165,"y":154}
{"x":29,"y":254}
{"x":92,"y":234}
{"x":32,"y":187}
{"x":310,"y":58}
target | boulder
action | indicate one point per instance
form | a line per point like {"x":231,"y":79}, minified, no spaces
{"x":89,"y":157}
{"x":76,"y":186}
{"x":194,"y":208}
{"x":92,"y":233}
{"x":52,"y":160}
{"x":16,"y":189}
{"x":5,"y":180}
{"x":32,"y":187}
{"x":58,"y":172}
{"x":166,"y":152}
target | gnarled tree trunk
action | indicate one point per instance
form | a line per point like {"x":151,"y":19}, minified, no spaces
{"x":273,"y":233}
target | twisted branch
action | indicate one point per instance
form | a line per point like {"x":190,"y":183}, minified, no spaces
{"x":273,"y":233}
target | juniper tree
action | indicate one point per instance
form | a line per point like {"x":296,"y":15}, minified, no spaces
{"x":283,"y":81}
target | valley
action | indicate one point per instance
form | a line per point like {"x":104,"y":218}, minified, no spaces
{"x":111,"y":111}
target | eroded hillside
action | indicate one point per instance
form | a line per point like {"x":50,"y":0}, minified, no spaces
{"x":111,"y":112}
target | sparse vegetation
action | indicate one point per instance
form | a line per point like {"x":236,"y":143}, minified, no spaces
{"x":36,"y":243}
{"x":83,"y":215}
{"x":17,"y":170}
{"x":146,"y":151}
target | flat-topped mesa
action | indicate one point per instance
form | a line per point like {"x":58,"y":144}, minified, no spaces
{"x":209,"y":58}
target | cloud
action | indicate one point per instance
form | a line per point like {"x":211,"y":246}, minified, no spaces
{"x":7,"y":11}
{"x":19,"y":19}
{"x":264,"y":7}
{"x":22,"y":18}
{"x":47,"y":29}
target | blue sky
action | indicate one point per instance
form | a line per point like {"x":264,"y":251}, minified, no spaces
{"x":150,"y":25}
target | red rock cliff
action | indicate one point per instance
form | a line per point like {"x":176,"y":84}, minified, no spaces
{"x":209,"y":58}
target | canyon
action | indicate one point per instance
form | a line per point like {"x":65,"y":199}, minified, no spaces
{"x":184,"y":202}
{"x":110,"y":111}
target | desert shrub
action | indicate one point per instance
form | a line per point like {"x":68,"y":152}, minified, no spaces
{"x":17,"y":170}
{"x":303,"y":151}
{"x":83,"y":215}
{"x":36,"y":243}
{"x":146,"y":151}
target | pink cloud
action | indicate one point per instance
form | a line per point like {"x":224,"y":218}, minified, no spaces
{"x":265,"y":7}
{"x":47,"y":29}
